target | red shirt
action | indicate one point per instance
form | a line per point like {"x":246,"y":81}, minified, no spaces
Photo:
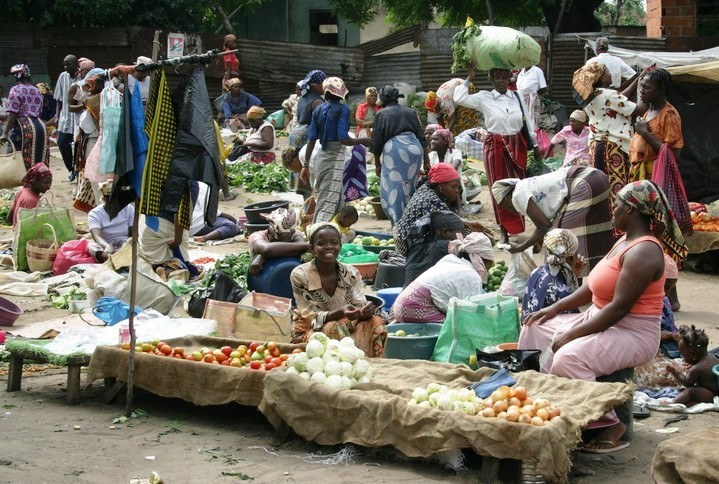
{"x":232,"y":63}
{"x":25,"y":198}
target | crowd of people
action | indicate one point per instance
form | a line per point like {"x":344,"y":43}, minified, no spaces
{"x":604,"y":225}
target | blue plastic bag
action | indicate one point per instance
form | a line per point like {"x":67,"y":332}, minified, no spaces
{"x":111,"y":311}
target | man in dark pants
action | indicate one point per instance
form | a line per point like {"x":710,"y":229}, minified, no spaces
{"x":65,"y":119}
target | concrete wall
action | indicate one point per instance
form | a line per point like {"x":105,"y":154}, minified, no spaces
{"x":671,"y":18}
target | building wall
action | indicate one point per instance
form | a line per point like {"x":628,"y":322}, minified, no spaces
{"x":671,"y":18}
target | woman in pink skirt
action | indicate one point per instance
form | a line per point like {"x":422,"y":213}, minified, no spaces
{"x":626,"y":289}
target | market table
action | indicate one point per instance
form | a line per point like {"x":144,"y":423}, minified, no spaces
{"x":699,"y":242}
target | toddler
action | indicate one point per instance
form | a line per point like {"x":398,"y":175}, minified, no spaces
{"x":701,"y":384}
{"x":344,"y":220}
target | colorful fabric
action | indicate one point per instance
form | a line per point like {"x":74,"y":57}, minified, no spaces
{"x":329,"y":167}
{"x":231,"y":63}
{"x":256,"y":112}
{"x":233,"y":106}
{"x":650,"y":200}
{"x":560,"y":244}
{"x":609,"y":115}
{"x":665,"y":173}
{"x":505,"y":157}
{"x":20,"y":71}
{"x":24,"y":100}
{"x":282,"y":224}
{"x":431,"y":101}
{"x":314,"y":304}
{"x":30,"y":136}
{"x":548,"y":192}
{"x":401,"y":161}
{"x":35,"y":173}
{"x":330,"y":123}
{"x":354,"y":176}
{"x":414,"y":305}
{"x":584,"y":80}
{"x":44,"y":88}
{"x":85,"y":199}
{"x":609,"y":157}
{"x":579,"y":115}
{"x":232,"y":82}
{"x":313,"y":77}
{"x":336,"y":86}
{"x":85,"y":64}
{"x":161,"y":130}
{"x":365,"y":113}
{"x":665,"y":126}
{"x":442,"y":173}
{"x":446,"y":135}
{"x":445,"y":95}
{"x":577,"y":145}
{"x":478,"y":247}
{"x":544,"y":289}
{"x":110,"y":114}
{"x":671,"y":271}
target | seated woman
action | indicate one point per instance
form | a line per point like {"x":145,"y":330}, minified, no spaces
{"x":281,"y":239}
{"x":574,"y":198}
{"x":36,"y":181}
{"x":330,"y":298}
{"x":441,"y":192}
{"x":557,"y":278}
{"x":225,"y":225}
{"x":621,"y":328}
{"x":259,"y":147}
{"x":236,"y":104}
{"x":108,"y":234}
{"x":428,"y":242}
{"x":459,"y":274}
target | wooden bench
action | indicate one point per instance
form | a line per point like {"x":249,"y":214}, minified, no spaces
{"x":74,"y":363}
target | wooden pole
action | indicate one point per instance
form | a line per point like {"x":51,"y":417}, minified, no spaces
{"x":133,"y":274}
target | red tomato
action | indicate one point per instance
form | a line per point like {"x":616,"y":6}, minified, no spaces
{"x":253,"y":346}
{"x":284,"y":356}
{"x":226,"y":350}
{"x":179,"y":350}
{"x":190,"y":357}
{"x":255,"y":365}
{"x":208,"y":358}
{"x":276,"y":361}
{"x":166,"y":349}
{"x":275,"y":352}
{"x":271,"y":345}
{"x":267,"y":359}
{"x":225,"y":363}
{"x":221,"y":357}
{"x":269,"y":366}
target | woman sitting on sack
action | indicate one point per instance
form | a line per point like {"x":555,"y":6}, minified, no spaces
{"x":281,"y":239}
{"x":330,"y":298}
{"x":621,"y":328}
{"x":108,"y":234}
{"x":459,"y":274}
{"x":36,"y":181}
{"x":259,"y":147}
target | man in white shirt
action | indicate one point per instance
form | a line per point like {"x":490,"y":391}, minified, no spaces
{"x":617,"y":68}
{"x":66,"y":119}
{"x":532,"y":84}
{"x":506,"y":145}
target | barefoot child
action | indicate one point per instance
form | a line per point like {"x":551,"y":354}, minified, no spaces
{"x":344,"y":220}
{"x":701,"y":384}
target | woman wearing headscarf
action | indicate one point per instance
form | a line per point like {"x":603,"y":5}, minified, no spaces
{"x":557,"y":278}
{"x":330,"y":126}
{"x":398,"y":148}
{"x":24,"y":127}
{"x":441,"y":192}
{"x":442,"y":150}
{"x":260,"y":142}
{"x":88,"y":167}
{"x":36,"y":181}
{"x":330,"y":297}
{"x":574,"y":198}
{"x":281,"y":239}
{"x":459,"y":274}
{"x":610,"y":122}
{"x":236,"y":103}
{"x":511,"y":135}
{"x":366,"y":112}
{"x":621,"y":328}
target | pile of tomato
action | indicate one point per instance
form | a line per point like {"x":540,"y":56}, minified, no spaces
{"x":704,"y":222}
{"x":256,"y":356}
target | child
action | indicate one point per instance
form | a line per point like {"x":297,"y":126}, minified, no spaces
{"x":701,"y":384}
{"x":347,"y":217}
{"x":668,"y":342}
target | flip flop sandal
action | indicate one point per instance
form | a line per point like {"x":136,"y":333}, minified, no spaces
{"x":615,"y":447}
{"x":640,"y":410}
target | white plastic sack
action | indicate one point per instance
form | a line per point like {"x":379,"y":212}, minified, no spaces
{"x":503,"y":48}
{"x":520,"y":268}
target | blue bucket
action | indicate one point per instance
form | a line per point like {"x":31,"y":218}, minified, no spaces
{"x":411,"y":347}
{"x":275,"y":277}
{"x":389,"y":296}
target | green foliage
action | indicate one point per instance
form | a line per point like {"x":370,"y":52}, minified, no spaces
{"x":257,"y":178}
{"x":621,"y":12}
{"x":460,"y":57}
{"x":235,"y":266}
{"x":359,"y":12}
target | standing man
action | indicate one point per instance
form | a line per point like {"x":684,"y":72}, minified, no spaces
{"x":66,"y":119}
{"x":617,"y":68}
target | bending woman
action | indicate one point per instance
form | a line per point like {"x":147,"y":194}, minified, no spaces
{"x":330,"y":298}
{"x":621,"y":327}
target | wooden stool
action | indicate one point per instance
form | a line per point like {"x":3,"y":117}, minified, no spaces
{"x":74,"y":363}
{"x":624,"y":412}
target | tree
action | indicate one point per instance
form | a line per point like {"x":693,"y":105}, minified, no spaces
{"x":621,"y":12}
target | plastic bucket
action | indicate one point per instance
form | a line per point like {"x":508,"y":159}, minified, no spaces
{"x":412,"y":347}
{"x":275,"y":277}
{"x":389,"y":295}
{"x":389,"y":275}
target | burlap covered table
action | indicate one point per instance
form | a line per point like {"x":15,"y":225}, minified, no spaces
{"x":195,"y":382}
{"x":700,"y":242}
{"x":691,"y":458}
{"x":376,"y":414}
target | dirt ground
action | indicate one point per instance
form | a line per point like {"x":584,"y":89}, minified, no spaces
{"x":47,"y":441}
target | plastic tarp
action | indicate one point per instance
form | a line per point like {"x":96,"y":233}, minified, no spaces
{"x":661,"y":59}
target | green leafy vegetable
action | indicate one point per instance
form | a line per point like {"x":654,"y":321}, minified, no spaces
{"x":257,"y":178}
{"x":373,"y":183}
{"x":234,"y":266}
{"x":460,"y":56}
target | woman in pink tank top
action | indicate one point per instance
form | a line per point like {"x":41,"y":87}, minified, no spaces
{"x":621,"y":328}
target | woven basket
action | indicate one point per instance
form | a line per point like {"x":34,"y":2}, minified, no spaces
{"x":41,"y":253}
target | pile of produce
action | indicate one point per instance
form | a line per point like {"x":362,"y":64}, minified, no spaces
{"x":258,"y":178}
{"x":363,"y":206}
{"x":461,"y":58}
{"x":495,"y":276}
{"x":373,"y":184}
{"x":256,"y":356}
{"x":400,"y":333}
{"x":74,"y":294}
{"x":369,"y":240}
{"x":703,"y":222}
{"x":442,"y":398}
{"x":337,"y":364}
{"x":235,"y":266}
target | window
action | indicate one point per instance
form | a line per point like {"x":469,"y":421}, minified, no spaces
{"x":323,"y":27}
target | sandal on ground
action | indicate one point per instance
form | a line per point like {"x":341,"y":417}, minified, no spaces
{"x":232,"y":195}
{"x":640,"y":410}
{"x":603,"y":446}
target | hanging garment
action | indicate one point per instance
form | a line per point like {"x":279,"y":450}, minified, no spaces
{"x":110,"y":114}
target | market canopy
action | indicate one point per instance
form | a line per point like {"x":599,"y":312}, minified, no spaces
{"x":707,"y":72}
{"x":661,"y":59}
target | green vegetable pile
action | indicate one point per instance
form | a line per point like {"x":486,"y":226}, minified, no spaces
{"x":460,"y":56}
{"x":495,"y":276}
{"x":235,"y":266}
{"x":6,"y":197}
{"x":373,"y":183}
{"x":258,"y":178}
{"x":74,"y":294}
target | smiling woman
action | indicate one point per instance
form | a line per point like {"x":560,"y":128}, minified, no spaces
{"x":330,"y":298}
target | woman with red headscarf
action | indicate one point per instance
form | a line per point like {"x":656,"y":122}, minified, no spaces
{"x":441,"y":192}
{"x":37,"y":181}
{"x":443,"y":151}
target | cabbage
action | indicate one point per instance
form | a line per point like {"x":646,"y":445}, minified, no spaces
{"x":321,"y":337}
{"x":333,"y":368}
{"x":334,"y":381}
{"x":432,"y":388}
{"x":315,"y":365}
{"x":361,"y":367}
{"x":292,"y":370}
{"x":314,"y":349}
{"x":467,"y":395}
{"x":451,"y":394}
{"x":424,"y":404}
{"x":353,"y":381}
{"x":412,"y":403}
{"x":347,"y":369}
{"x":348,"y":342}
{"x":304,"y":375}
{"x":300,"y":361}
{"x":333,"y":344}
{"x":444,"y":402}
{"x":331,"y":355}
{"x":318,"y":377}
{"x":443,"y":389}
{"x":434,"y":398}
{"x":346,"y":383}
{"x":348,"y":354}
{"x":359,"y":354}
{"x":363,"y":379}
{"x":420,"y":394}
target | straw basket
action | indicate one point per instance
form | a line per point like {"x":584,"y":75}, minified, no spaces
{"x":41,"y":253}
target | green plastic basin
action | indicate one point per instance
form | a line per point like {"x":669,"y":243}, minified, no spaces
{"x":412,"y":347}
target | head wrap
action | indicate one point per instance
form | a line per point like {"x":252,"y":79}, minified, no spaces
{"x":447,"y":135}
{"x":583,"y":82}
{"x":35,"y":173}
{"x":106,"y":188}
{"x":231,"y":82}
{"x":85,"y":63}
{"x":389,"y":95}
{"x":256,"y":112}
{"x":649,"y":200}
{"x":229,"y":38}
{"x":336,"y":86}
{"x":44,"y":88}
{"x":95,"y":72}
{"x":442,"y":172}
{"x":602,"y":43}
{"x":288,"y":155}
{"x":579,"y":115}
{"x":143,"y":60}
{"x":478,"y":247}
{"x":312,"y":77}
{"x":560,"y":244}
{"x":369,"y":91}
{"x":671,"y":271}
{"x":502,"y":188}
{"x":20,"y":71}
{"x":311,"y":230}
{"x":446,"y":219}
{"x":282,"y":224}
{"x":431,"y":101}
{"x":434,"y":127}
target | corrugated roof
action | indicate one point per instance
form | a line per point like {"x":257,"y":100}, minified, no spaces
{"x":381,"y":70}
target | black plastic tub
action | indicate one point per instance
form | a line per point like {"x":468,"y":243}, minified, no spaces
{"x":254,"y":211}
